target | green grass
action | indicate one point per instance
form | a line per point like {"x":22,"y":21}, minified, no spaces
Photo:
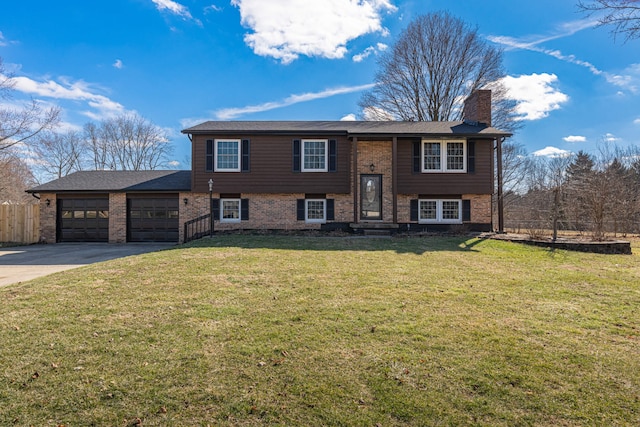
{"x":304,"y":331}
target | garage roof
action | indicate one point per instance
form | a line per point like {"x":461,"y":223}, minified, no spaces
{"x":119,"y":181}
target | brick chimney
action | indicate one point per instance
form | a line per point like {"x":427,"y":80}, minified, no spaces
{"x":477,"y":107}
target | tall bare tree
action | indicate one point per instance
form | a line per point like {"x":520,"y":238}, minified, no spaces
{"x":20,"y":123}
{"x":622,"y":15}
{"x":437,"y":61}
{"x":127,"y":142}
{"x":59,"y":153}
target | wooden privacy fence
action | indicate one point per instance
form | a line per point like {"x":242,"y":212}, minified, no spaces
{"x":20,"y":223}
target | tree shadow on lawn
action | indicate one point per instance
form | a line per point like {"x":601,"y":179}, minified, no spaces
{"x":416,"y":244}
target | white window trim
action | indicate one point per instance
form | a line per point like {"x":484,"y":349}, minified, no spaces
{"x":439,"y":219}
{"x":326,"y":155}
{"x":443,"y":156}
{"x":215,"y":156}
{"x":222,"y":210}
{"x":315,"y":220}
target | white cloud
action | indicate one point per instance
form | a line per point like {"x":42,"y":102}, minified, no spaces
{"x":376,"y":114}
{"x":173,"y":7}
{"x":531,"y":41}
{"x":361,"y":56}
{"x":552,"y":152}
{"x":637,"y":121}
{"x":575,"y":138}
{"x":118,"y":64}
{"x":535,"y":95}
{"x":349,"y":118}
{"x":609,"y":137}
{"x":628,"y":79}
{"x":212,"y":8}
{"x":2,"y":40}
{"x":76,"y":91}
{"x":286,"y":29}
{"x":379,"y":47}
{"x":232,"y":113}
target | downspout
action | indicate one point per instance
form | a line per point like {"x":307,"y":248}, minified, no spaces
{"x":354,"y":165}
{"x":499,"y":177}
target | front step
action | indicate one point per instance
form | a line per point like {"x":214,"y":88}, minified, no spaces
{"x":374,"y":229}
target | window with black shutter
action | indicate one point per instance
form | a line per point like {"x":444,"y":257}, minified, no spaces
{"x":466,"y":210}
{"x":333,"y":155}
{"x":296,"y":155}
{"x":471,"y":156}
{"x":209,"y":156}
{"x":246,"y":165}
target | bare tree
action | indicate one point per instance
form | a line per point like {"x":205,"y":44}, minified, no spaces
{"x":437,"y":61}
{"x":127,"y":142}
{"x":20,"y":123}
{"x":622,"y":15}
{"x":15,"y":178}
{"x":59,"y":154}
{"x":548,"y":180}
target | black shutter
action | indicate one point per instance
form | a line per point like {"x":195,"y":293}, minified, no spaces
{"x":330,"y":210}
{"x":296,"y":155}
{"x":333,"y":155}
{"x":466,"y":210}
{"x":244,"y":209}
{"x":300,"y":209}
{"x":209,"y":156}
{"x":471,"y":156}
{"x":416,"y":156}
{"x":414,"y":209}
{"x":215,"y":208}
{"x":245,"y":156}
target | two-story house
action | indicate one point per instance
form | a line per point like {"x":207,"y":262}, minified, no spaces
{"x":292,"y":175}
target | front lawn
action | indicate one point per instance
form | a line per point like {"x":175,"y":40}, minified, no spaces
{"x":311,"y":331}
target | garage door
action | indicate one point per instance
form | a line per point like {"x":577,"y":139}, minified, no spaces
{"x":83,"y":220}
{"x":152,"y":219}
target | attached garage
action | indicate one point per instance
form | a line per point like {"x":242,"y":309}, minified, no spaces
{"x":113,"y":206}
{"x":83,"y":219}
{"x":152,"y":218}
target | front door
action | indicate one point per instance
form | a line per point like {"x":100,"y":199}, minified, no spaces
{"x":370,"y":197}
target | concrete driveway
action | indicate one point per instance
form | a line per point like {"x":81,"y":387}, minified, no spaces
{"x":22,"y":263}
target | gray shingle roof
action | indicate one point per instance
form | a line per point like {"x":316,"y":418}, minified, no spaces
{"x":119,"y":181}
{"x":350,"y":128}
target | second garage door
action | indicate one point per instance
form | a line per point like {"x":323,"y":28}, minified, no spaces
{"x":152,"y":219}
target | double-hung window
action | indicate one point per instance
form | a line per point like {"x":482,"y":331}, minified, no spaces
{"x":314,"y":155}
{"x":315,"y":210}
{"x":227,"y":155}
{"x":440,"y":211}
{"x":444,"y":156}
{"x":230,"y":210}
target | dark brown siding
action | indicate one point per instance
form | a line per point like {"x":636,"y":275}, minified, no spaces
{"x":271,"y":168}
{"x":479,"y":182}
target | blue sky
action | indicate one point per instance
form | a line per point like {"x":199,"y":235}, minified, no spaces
{"x":182,"y":62}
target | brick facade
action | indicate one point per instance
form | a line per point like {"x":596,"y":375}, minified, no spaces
{"x":117,"y":218}
{"x":266,"y":211}
{"x":48,"y":216}
{"x":377,"y":155}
